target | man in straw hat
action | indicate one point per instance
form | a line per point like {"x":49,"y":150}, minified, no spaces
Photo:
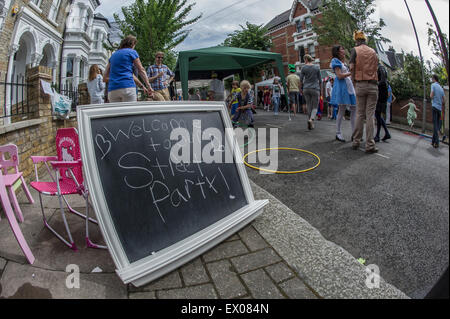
{"x":293,"y":84}
{"x":216,"y":85}
{"x":364,"y":67}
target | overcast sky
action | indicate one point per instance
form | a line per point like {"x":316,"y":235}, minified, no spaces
{"x":223,"y":17}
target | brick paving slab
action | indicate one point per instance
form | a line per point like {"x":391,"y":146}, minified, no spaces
{"x":295,"y":289}
{"x":2,"y":264}
{"x":196,"y":292}
{"x":260,"y":285}
{"x":252,"y":239}
{"x":194,"y":273}
{"x":169,"y":281}
{"x":255,"y":260}
{"x":233,"y":238}
{"x":225,"y":250}
{"x":23,"y":281}
{"x":226,"y":280}
{"x":279,"y":272}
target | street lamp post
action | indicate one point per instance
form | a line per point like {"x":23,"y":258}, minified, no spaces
{"x":423,"y":71}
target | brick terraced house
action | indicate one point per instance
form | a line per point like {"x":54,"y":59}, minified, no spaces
{"x":292,"y":35}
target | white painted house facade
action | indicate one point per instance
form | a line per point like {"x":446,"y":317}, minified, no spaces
{"x":33,"y":34}
{"x":77,"y":43}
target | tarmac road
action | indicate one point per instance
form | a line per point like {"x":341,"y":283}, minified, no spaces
{"x":390,"y":208}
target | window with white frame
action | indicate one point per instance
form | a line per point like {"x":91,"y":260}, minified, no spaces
{"x":308,"y":22}
{"x":53,"y":14}
{"x":299,"y":25}
{"x":301,"y":51}
{"x":81,"y":71}
{"x":4,"y":8}
{"x":97,"y":40}
{"x":70,"y":62}
{"x":36,"y":2}
{"x":312,"y":50}
{"x":87,"y":21}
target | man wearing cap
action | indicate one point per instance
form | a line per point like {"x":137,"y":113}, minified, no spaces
{"x":217,"y":86}
{"x":293,"y":83}
{"x":364,"y":68}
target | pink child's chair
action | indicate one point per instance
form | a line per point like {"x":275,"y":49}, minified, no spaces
{"x":12,"y":219}
{"x":12,"y":181}
{"x":67,"y":179}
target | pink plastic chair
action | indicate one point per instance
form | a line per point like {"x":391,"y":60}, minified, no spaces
{"x":12,"y":220}
{"x":67,"y":179}
{"x":13,"y":181}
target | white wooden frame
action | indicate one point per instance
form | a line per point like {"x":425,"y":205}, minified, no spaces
{"x":162,"y":262}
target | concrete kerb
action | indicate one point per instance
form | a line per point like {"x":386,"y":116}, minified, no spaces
{"x":399,"y":127}
{"x":327,"y":268}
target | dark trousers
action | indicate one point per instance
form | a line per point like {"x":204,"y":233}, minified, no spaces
{"x":380,"y":123}
{"x":436,"y":125}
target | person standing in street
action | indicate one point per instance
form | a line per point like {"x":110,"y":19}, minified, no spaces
{"x":276,"y":95}
{"x":119,"y":73}
{"x":245,"y":99}
{"x":310,"y":80}
{"x":382,"y":104}
{"x":217,"y":86}
{"x":293,"y":84}
{"x":364,"y":69}
{"x":95,"y":85}
{"x":160,"y":77}
{"x":343,"y":93}
{"x":390,"y":101}
{"x":437,"y":101}
{"x":328,"y":92}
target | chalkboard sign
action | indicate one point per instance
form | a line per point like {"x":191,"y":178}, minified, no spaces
{"x":166,"y":181}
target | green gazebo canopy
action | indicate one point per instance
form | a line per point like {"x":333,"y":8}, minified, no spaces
{"x":198,"y":64}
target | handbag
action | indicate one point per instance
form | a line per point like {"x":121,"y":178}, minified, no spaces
{"x":61,"y":106}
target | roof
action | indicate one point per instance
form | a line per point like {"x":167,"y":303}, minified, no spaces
{"x":115,"y":34}
{"x":390,"y":58}
{"x":312,"y":4}
{"x":222,"y":58}
{"x":279,"y":20}
{"x":99,"y":16}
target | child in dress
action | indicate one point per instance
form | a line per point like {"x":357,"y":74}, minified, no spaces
{"x":411,"y":115}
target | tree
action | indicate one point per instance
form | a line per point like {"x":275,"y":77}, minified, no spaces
{"x":159,"y":25}
{"x":440,"y":68}
{"x":340,"y":18}
{"x":251,"y":36}
{"x":407,"y":83}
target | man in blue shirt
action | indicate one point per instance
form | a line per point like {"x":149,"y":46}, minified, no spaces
{"x":437,"y":101}
{"x":160,"y":77}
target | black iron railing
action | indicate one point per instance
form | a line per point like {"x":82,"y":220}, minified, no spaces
{"x":14,"y":101}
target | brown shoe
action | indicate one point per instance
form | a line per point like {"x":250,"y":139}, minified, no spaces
{"x":355,"y":147}
{"x":310,"y":125}
{"x":372,"y":151}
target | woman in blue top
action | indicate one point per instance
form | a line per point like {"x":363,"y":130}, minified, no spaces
{"x":343,"y":91}
{"x":119,"y":73}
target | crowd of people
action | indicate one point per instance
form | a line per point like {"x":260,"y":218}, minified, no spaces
{"x":359,"y":88}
